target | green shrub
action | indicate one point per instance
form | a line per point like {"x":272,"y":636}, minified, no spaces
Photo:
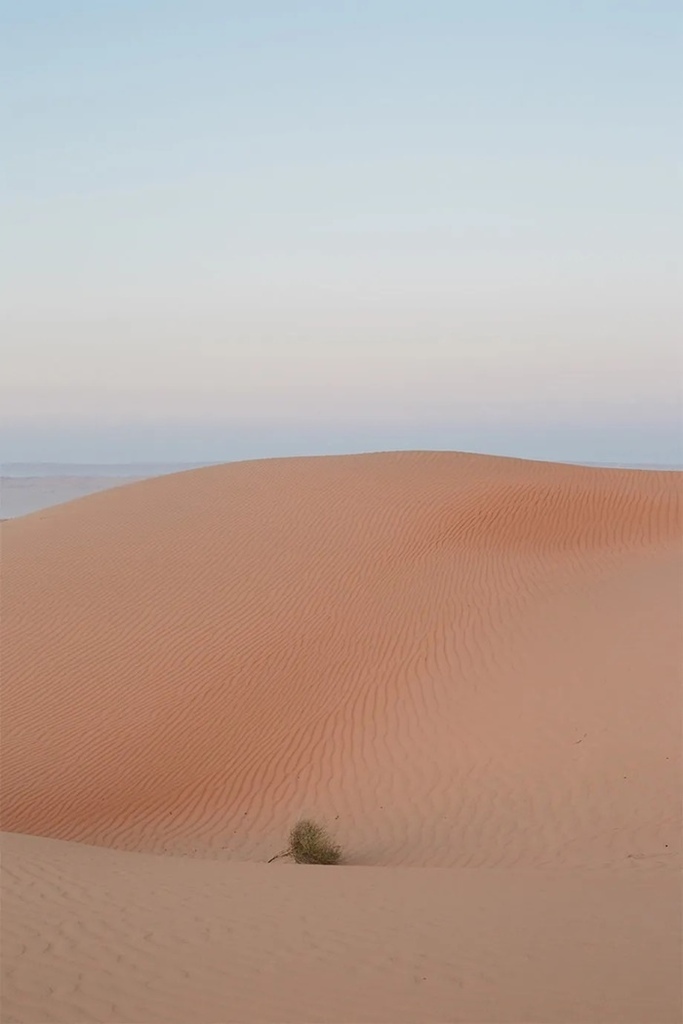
{"x":310,"y":843}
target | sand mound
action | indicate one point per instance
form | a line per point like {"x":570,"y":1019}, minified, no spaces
{"x":456,"y":660}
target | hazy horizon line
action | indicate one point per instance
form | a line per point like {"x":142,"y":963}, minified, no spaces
{"x":10,"y":468}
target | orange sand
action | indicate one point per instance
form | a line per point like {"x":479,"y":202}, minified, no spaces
{"x":458,"y":661}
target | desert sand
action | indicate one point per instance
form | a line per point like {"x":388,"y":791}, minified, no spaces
{"x":468,"y":666}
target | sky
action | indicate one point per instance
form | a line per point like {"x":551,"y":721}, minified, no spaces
{"x":276,"y":227}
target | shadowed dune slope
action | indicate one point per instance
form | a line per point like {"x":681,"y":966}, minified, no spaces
{"x":455,"y":659}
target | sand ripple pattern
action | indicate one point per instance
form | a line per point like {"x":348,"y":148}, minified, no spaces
{"x":95,"y":935}
{"x":457,"y":660}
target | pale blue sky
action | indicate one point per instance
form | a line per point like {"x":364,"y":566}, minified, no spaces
{"x":235,"y":229}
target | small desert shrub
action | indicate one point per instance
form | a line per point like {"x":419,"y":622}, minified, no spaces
{"x":310,"y":843}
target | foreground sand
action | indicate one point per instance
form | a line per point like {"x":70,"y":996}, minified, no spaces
{"x":99,"y":935}
{"x":460,"y":662}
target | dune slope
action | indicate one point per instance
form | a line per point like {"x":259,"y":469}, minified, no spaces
{"x":457,"y":660}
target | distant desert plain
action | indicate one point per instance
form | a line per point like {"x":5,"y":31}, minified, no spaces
{"x":469,"y":668}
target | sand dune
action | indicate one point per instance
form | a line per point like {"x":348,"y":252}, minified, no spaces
{"x":467,"y":660}
{"x":459,"y":661}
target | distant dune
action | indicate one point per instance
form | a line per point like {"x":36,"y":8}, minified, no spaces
{"x":457,"y":661}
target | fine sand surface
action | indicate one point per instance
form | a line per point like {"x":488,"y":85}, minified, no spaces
{"x":99,"y":935}
{"x":469,"y":666}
